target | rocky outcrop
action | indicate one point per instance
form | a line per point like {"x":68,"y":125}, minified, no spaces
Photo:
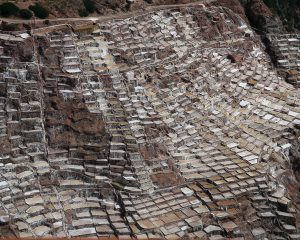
{"x":262,"y":18}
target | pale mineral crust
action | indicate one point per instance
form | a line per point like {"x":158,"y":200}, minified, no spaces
{"x":168,"y":124}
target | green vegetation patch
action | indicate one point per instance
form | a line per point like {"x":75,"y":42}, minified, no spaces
{"x":39,"y":11}
{"x":25,"y":14}
{"x":89,"y":5}
{"x":8,"y":9}
{"x":83,"y":13}
{"x":8,"y":26}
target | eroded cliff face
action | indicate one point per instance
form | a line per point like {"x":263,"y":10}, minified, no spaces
{"x":167,"y":124}
{"x":256,"y":13}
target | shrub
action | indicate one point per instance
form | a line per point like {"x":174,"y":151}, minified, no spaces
{"x":46,"y":22}
{"x":39,"y":11}
{"x":83,"y":13}
{"x":7,"y":9}
{"x":25,"y":14}
{"x":89,"y":5}
{"x":9,"y":26}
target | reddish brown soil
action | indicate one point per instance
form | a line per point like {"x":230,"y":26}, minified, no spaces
{"x":166,"y":179}
{"x":70,"y":124}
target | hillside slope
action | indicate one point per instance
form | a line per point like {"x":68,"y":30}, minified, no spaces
{"x":258,"y":11}
{"x":168,"y":124}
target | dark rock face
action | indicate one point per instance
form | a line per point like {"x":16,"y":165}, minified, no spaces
{"x":295,"y":155}
{"x":262,"y":18}
{"x":257,"y":13}
{"x":288,"y":11}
